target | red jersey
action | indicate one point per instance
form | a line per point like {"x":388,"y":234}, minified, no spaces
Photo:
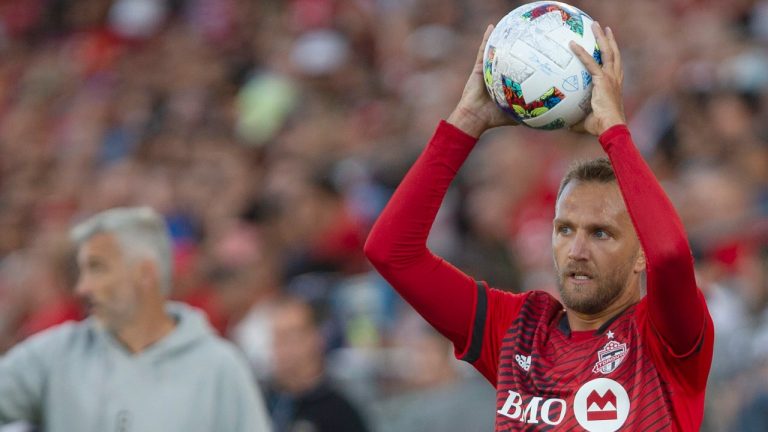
{"x":645,"y":369}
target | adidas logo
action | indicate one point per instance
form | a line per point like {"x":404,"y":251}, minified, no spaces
{"x":523,"y":361}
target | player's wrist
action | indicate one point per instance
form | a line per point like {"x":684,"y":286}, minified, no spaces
{"x":467,"y":121}
{"x":610,"y":122}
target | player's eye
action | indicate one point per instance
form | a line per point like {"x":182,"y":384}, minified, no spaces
{"x":95,"y":266}
{"x":564,"y":230}
{"x":601,"y":234}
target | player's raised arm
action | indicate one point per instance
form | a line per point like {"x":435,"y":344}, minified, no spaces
{"x":396,"y":246}
{"x":476,"y":112}
{"x":676,"y":309}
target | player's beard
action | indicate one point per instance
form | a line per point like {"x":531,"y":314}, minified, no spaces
{"x":602,"y":292}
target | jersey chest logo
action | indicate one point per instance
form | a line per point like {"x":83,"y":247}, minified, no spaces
{"x":600,"y":405}
{"x":610,"y":357}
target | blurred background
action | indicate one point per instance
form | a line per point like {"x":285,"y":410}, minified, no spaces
{"x":271,"y":133}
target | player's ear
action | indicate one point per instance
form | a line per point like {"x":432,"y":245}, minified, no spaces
{"x":146,"y":273}
{"x":640,"y":262}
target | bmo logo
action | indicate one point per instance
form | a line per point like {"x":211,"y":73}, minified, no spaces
{"x":601,"y":405}
{"x":549,"y":411}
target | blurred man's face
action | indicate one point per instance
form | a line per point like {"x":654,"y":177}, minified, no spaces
{"x":297,"y":342}
{"x":594,"y":244}
{"x":106,"y":281}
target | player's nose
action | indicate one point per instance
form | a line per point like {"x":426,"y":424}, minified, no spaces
{"x":83,"y":288}
{"x":578,"y":250}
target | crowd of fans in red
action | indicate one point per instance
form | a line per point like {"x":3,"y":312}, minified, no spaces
{"x":270,"y":135}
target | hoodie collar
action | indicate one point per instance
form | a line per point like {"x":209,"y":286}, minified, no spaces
{"x":191,"y":328}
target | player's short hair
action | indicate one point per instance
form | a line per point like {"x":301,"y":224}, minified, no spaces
{"x":141,"y":233}
{"x":597,"y":170}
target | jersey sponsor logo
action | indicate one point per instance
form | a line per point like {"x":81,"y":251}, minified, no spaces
{"x":610,"y":357}
{"x":601,"y":405}
{"x":523,"y":361}
{"x":537,"y":410}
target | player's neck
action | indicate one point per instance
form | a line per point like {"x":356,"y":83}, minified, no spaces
{"x":302,"y":379}
{"x":151,"y":327}
{"x":583,"y":322}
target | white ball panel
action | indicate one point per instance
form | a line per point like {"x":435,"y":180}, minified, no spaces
{"x":535,"y":54}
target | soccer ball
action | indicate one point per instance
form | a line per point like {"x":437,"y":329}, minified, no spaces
{"x":532,"y":74}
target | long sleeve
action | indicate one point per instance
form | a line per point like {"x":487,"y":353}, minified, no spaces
{"x":397,"y":244}
{"x":22,"y":380}
{"x":675,"y":307}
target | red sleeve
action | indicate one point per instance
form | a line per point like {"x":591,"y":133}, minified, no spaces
{"x":675,"y":309}
{"x":397,"y":244}
{"x":494,"y":315}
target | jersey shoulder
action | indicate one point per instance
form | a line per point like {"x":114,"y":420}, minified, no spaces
{"x":540,"y":305}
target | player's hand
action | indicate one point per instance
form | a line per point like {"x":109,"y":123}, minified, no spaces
{"x":607,"y":105}
{"x":476,"y":112}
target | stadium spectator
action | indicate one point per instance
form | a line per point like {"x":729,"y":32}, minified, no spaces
{"x":139,"y":363}
{"x":300,"y":395}
{"x":433,"y":394}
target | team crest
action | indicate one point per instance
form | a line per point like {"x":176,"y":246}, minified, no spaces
{"x":610,"y":357}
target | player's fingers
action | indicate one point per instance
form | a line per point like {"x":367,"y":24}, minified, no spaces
{"x":606,"y":51}
{"x":586,"y":58}
{"x":481,"y":50}
{"x":614,"y":49}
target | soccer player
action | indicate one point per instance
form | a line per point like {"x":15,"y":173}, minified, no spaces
{"x":139,"y":363}
{"x":604,"y":358}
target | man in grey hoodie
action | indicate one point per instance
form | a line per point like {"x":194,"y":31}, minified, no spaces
{"x":139,"y":363}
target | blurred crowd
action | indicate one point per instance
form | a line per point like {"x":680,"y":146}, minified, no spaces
{"x":270,"y":134}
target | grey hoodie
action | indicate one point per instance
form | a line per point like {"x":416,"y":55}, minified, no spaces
{"x":77,"y":378}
